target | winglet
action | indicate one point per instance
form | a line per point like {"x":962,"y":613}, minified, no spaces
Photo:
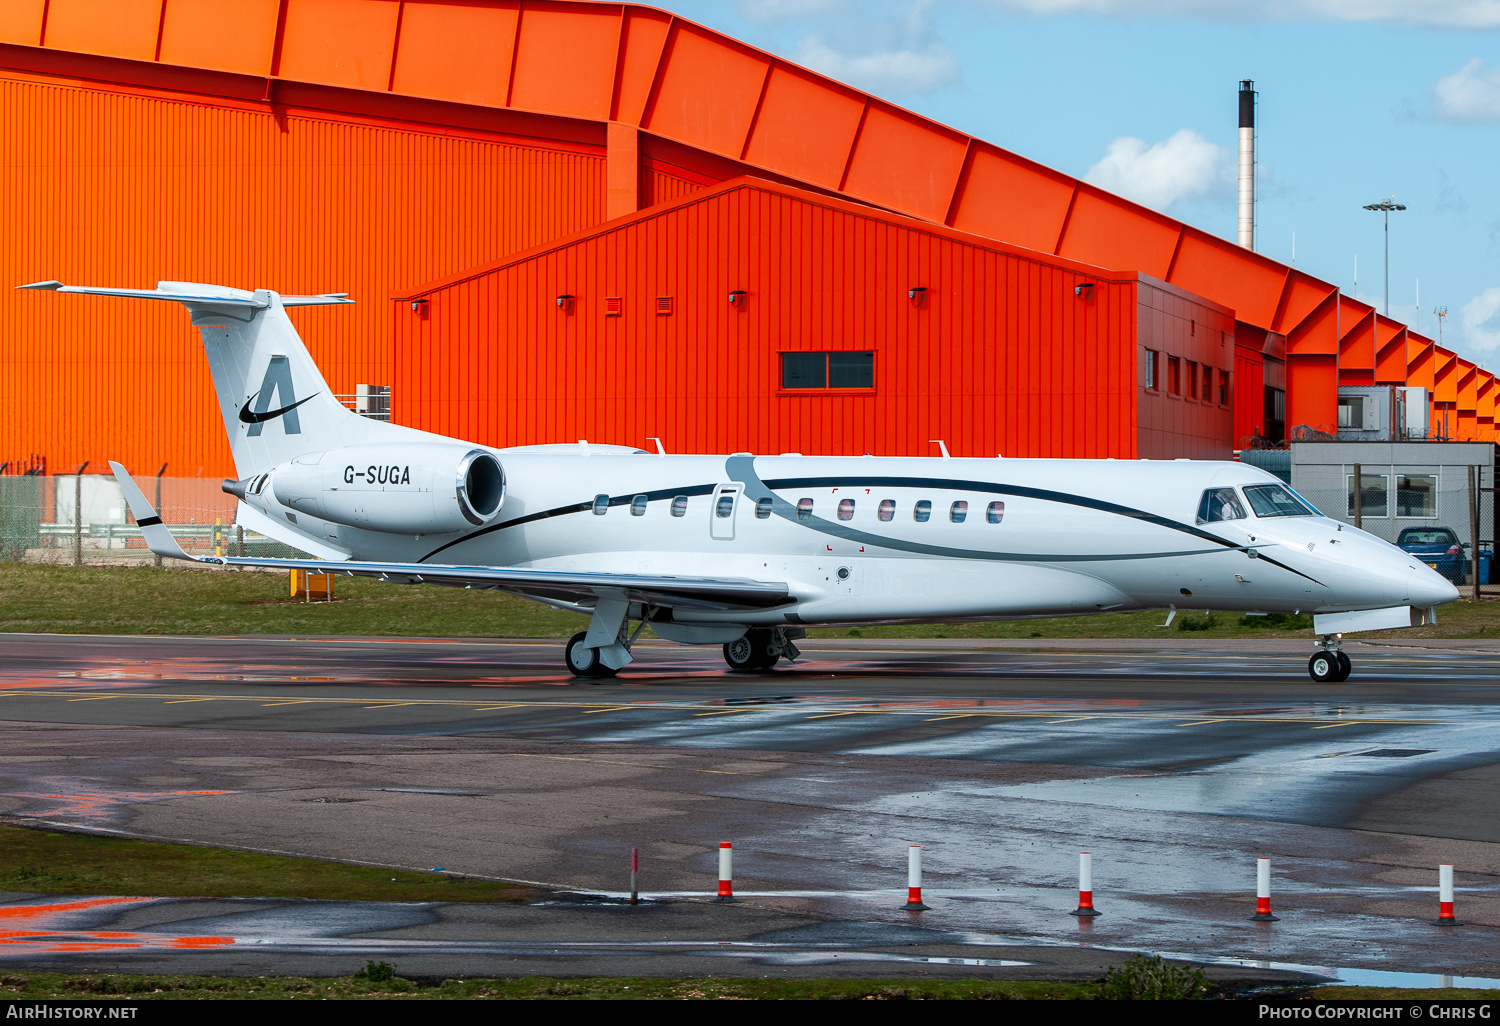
{"x":153,"y":530}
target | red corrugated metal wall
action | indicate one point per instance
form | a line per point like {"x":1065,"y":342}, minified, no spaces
{"x":104,"y":188}
{"x":1180,"y":422}
{"x":999,"y":355}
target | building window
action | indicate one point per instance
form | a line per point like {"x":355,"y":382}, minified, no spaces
{"x":846,"y":509}
{"x":1208,"y":384}
{"x":995,"y":513}
{"x":828,"y":370}
{"x":922,"y":511}
{"x":1152,"y":378}
{"x":638,"y":506}
{"x":1351,"y":411}
{"x":1416,"y":495}
{"x":1174,"y":375}
{"x":1192,"y":380}
{"x":601,"y":505}
{"x":763,"y":508}
{"x":679,"y":506}
{"x":804,"y":509}
{"x":958,"y":512}
{"x":887,"y":510}
{"x":1223,"y":388}
{"x":1372,"y":495}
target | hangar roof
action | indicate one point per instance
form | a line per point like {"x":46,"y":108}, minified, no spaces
{"x":585,"y":66}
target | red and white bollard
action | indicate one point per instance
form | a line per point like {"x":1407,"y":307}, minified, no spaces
{"x":1263,"y":892}
{"x":726,"y":874}
{"x":1086,"y":886}
{"x":914,"y":879}
{"x":635,"y":866}
{"x":1445,"y":897}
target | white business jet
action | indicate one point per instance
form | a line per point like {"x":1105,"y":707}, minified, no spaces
{"x":747,"y":551}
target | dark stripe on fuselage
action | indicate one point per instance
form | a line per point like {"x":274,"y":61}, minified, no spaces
{"x":740,"y":469}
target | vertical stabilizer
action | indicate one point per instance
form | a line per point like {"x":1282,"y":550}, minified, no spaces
{"x":275,"y":403}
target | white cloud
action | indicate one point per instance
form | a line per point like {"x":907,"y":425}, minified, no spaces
{"x":1479,"y":320}
{"x":924,"y":70}
{"x":1445,"y":13}
{"x":1469,"y":96}
{"x":1181,"y":167}
{"x":783,"y":10}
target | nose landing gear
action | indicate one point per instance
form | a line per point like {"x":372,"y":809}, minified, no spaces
{"x":1330,"y":665}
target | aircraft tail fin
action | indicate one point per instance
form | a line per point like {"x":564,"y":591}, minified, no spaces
{"x":274,"y":400}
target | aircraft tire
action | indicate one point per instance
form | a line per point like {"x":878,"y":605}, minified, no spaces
{"x":1345,"y":666}
{"x":741,"y":653}
{"x":1324,"y":667}
{"x":583,"y":661}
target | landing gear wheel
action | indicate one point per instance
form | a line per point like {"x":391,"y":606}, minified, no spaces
{"x":1345,"y":666}
{"x":755,"y":650}
{"x":1324,"y":667}
{"x":584,"y":661}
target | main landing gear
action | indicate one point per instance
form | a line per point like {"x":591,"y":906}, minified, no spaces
{"x":761,"y":648}
{"x":1330,"y":665}
{"x":584,"y":661}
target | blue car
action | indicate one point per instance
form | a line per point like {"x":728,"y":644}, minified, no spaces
{"x":1438,"y":547}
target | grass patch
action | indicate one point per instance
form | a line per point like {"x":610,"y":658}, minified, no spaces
{"x":52,"y":862}
{"x":144,"y":600}
{"x":33,"y":986}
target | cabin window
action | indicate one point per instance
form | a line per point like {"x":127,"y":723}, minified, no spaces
{"x":724,"y":508}
{"x":995,"y":513}
{"x":804,"y":509}
{"x":887,"y":509}
{"x":601,"y":505}
{"x":1220,"y":504}
{"x":679,"y":506}
{"x":958,"y":512}
{"x":638,"y":506}
{"x":922,"y":511}
{"x":763,"y":508}
{"x":846,"y":509}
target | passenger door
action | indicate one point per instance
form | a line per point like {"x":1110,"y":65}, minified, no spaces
{"x":722,"y":510}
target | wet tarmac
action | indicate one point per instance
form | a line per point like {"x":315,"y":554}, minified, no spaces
{"x":1176,"y":764}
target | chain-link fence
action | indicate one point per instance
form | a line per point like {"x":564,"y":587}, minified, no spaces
{"x":65,"y":517}
{"x":1444,"y":513}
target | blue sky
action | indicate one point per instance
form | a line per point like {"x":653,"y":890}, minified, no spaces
{"x":1359,"y":100}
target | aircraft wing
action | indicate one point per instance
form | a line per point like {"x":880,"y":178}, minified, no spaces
{"x":566,"y":587}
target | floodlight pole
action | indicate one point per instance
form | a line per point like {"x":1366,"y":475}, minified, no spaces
{"x":1385,"y":207}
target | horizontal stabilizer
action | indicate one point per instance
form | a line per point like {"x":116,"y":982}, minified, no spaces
{"x":191,"y":292}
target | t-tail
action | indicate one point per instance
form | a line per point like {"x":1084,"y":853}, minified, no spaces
{"x":275,"y":403}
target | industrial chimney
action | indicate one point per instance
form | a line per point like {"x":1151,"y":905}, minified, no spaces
{"x":1247,"y":164}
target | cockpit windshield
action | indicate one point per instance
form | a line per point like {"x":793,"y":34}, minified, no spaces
{"x":1274,"y":500}
{"x":1220,"y":504}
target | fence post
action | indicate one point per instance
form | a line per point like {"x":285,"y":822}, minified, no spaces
{"x":239,"y":540}
{"x":1474,"y":530}
{"x":155,"y":559}
{"x":1359,"y":497}
{"x":78,"y":513}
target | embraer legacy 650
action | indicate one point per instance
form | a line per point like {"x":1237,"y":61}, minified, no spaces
{"x":747,"y":551}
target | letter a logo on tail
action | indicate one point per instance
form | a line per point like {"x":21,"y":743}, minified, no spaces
{"x":277,"y":382}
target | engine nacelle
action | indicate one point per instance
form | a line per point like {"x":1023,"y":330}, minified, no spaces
{"x":412,"y":488}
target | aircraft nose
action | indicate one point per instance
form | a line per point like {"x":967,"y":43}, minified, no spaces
{"x":1427,"y":587}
